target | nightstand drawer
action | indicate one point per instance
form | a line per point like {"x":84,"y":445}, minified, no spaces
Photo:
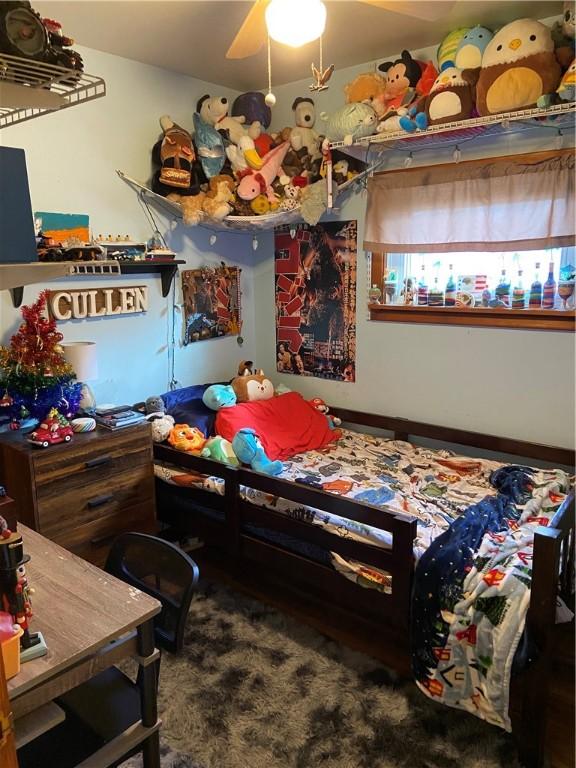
{"x":93,"y":541}
{"x":71,"y":505}
{"x":78,"y":464}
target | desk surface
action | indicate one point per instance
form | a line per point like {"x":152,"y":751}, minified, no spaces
{"x":77,"y":607}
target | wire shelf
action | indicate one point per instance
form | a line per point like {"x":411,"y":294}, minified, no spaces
{"x":38,"y":88}
{"x":558,"y":116}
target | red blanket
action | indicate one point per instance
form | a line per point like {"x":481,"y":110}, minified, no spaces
{"x":286,"y":424}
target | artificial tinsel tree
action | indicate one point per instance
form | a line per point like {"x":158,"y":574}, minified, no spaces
{"x":34,"y":375}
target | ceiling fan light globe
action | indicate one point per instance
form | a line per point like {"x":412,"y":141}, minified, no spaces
{"x":295,"y":22}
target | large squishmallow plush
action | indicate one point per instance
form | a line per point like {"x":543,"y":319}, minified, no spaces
{"x":518,"y":67}
{"x":450,"y":98}
{"x":471,"y":48}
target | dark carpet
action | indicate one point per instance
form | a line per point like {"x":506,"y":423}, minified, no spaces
{"x":255,"y":689}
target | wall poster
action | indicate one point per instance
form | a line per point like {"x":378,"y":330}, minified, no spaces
{"x":315,"y":283}
{"x":211,"y":302}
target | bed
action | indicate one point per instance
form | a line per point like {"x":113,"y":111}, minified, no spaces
{"x":334,"y":546}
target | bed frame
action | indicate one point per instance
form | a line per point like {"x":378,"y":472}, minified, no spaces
{"x":553,"y":565}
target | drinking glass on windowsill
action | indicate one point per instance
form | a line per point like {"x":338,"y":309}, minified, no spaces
{"x":566,"y":291}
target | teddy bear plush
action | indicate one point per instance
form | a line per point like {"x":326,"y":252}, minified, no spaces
{"x":369,"y":88}
{"x":216,"y":203}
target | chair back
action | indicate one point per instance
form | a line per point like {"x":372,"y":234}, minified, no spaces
{"x":163,"y":571}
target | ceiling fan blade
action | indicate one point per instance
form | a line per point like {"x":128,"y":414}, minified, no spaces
{"x":252,"y":34}
{"x":419,"y":9}
{"x":16,"y":96}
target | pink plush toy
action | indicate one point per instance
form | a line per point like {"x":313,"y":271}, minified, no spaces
{"x":254,"y":183}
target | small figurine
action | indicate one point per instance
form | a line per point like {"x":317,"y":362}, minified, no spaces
{"x":14,"y":588}
{"x":408,"y":291}
{"x":320,"y":405}
{"x":54,"y":429}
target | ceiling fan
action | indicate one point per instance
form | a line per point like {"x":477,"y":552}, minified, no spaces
{"x":266,"y":17}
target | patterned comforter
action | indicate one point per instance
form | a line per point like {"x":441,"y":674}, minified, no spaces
{"x":434,"y":486}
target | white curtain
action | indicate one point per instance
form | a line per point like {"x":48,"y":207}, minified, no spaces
{"x":513,"y":203}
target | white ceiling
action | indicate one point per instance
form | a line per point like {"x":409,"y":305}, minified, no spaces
{"x":192,"y":36}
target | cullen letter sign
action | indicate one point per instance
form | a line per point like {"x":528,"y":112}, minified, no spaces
{"x":97,"y":302}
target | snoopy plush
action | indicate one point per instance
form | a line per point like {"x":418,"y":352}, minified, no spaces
{"x":303,"y":134}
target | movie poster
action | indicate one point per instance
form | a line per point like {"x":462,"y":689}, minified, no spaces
{"x":315,"y":273}
{"x":211,"y":303}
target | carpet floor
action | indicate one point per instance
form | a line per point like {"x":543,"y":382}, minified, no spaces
{"x":255,"y":689}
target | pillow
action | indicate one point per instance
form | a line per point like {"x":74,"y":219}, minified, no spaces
{"x":186,"y":406}
{"x":286,"y":425}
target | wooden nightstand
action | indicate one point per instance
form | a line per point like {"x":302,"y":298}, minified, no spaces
{"x":84,"y":493}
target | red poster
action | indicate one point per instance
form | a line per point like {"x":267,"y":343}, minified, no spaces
{"x":316,"y":300}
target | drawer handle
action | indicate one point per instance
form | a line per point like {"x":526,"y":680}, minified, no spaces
{"x":98,"y":501}
{"x":102,"y":539}
{"x":98,"y":461}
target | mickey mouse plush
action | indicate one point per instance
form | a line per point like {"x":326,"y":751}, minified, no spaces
{"x":402,"y":77}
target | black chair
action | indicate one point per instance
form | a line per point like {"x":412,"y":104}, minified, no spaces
{"x":110,"y":702}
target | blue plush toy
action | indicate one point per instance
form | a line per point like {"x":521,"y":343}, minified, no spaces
{"x":471,"y":47}
{"x":249,"y":450}
{"x":219,"y":396}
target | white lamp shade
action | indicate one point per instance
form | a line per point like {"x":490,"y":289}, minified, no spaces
{"x":295,"y":22}
{"x":82,"y":357}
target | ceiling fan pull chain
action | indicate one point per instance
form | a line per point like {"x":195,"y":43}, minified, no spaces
{"x":270,"y":99}
{"x":321,"y":57}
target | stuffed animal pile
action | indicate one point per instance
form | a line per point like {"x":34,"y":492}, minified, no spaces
{"x":478,"y":72}
{"x":231,"y":165}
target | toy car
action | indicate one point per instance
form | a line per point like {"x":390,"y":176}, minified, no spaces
{"x":50,"y":432}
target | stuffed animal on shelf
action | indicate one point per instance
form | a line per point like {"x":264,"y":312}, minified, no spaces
{"x":471,"y":48}
{"x":220,"y":449}
{"x":451,"y":98}
{"x":350,"y":122}
{"x":154,"y":406}
{"x":209,"y":142}
{"x":249,"y":450}
{"x":254,"y":183}
{"x":303,"y":134}
{"x":368,"y":88}
{"x":244,"y":155}
{"x":566,"y":91}
{"x":563,"y":34}
{"x":402,"y":76}
{"x":446,"y":53}
{"x":186,"y":438}
{"x":518,"y":67}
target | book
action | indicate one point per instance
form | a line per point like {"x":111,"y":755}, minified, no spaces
{"x":121,"y":425}
{"x":105,"y":410}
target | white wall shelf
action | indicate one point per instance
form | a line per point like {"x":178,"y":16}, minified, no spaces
{"x":560,"y":116}
{"x":30,"y":89}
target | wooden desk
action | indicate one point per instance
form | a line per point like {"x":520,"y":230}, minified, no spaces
{"x":90,"y":621}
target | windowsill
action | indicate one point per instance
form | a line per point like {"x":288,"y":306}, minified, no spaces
{"x":490,"y":317}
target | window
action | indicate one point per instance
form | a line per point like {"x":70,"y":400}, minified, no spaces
{"x":472,"y":227}
{"x":476,"y":288}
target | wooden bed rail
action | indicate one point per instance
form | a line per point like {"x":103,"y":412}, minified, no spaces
{"x":404,"y":428}
{"x":553,"y":566}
